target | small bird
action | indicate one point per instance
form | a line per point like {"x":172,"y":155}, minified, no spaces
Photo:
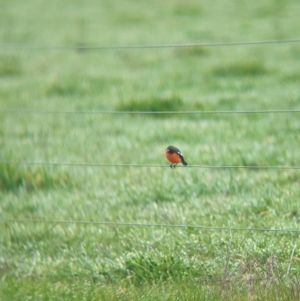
{"x":174,"y":155}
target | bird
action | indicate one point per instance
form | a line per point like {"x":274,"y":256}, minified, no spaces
{"x":174,"y":155}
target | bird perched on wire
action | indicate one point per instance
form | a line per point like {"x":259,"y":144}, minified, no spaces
{"x":174,"y":155}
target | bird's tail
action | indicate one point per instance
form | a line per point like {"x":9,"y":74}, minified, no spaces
{"x":182,"y":159}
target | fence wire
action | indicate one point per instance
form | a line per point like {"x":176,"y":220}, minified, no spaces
{"x":256,"y":167}
{"x":104,"y":112}
{"x":132,"y":224}
{"x":156,"y":46}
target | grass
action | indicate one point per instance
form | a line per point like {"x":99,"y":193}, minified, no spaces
{"x":153,"y":104}
{"x":9,"y":66}
{"x":249,"y":67}
{"x":81,"y":261}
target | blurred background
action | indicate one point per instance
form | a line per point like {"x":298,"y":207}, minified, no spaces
{"x":73,"y":156}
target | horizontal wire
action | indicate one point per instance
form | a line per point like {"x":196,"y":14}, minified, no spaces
{"x":31,"y":111}
{"x":20,"y":220}
{"x":147,"y":165}
{"x":120,"y":47}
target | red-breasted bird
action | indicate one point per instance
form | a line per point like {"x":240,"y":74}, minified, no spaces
{"x":174,"y":155}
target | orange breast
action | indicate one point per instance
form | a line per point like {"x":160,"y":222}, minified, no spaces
{"x":173,"y":158}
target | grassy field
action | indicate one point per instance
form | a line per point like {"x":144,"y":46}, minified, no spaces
{"x":84,"y":261}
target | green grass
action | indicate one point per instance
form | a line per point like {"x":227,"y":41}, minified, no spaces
{"x":152,"y":104}
{"x":81,"y":261}
{"x":9,"y":66}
